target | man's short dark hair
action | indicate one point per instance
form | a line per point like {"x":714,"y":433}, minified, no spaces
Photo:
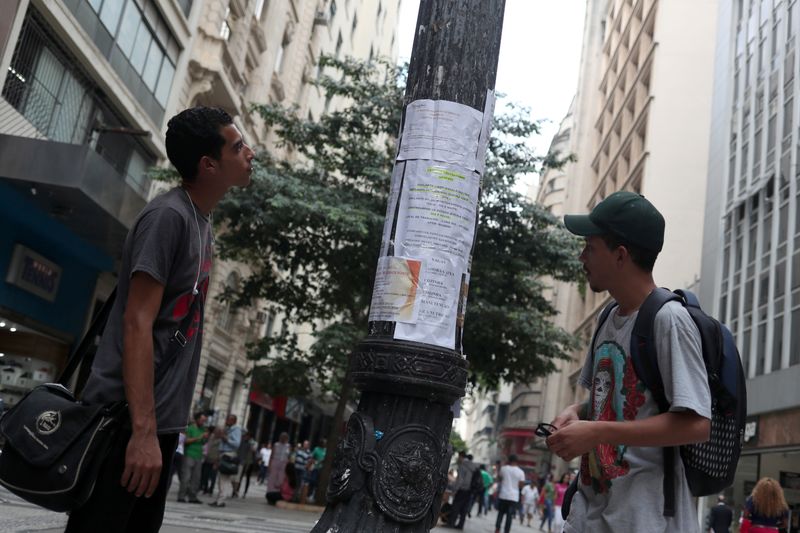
{"x":198,"y":414}
{"x":192,"y":134}
{"x":644,"y":259}
{"x":512,"y":458}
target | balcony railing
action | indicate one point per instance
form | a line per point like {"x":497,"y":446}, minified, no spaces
{"x":52,"y":98}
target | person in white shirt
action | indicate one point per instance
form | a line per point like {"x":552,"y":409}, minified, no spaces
{"x":530,"y":495}
{"x":264,"y":455}
{"x":512,"y":478}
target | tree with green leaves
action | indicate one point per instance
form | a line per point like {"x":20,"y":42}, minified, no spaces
{"x":309,"y":227}
{"x":456,"y":441}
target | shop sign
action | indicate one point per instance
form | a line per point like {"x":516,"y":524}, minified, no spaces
{"x":751,"y":430}
{"x":34,"y":273}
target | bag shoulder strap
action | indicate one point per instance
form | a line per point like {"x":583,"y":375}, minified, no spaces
{"x":600,"y":321}
{"x":645,"y":364}
{"x":643,"y":344}
{"x":177,"y":340}
{"x":97,"y":327}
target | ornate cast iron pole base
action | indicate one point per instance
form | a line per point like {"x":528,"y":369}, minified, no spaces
{"x":390,"y":469}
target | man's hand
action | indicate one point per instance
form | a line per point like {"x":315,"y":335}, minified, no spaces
{"x":142,"y":465}
{"x":572,"y":439}
{"x":569,"y":415}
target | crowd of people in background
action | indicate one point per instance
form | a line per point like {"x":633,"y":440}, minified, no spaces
{"x":505,"y":488}
{"x":220,"y":461}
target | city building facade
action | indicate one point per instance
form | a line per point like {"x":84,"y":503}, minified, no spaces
{"x":751,"y":263}
{"x":640,"y":122}
{"x":86,"y":87}
{"x":91,"y":84}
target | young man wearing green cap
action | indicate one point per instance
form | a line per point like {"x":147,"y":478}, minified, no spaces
{"x":619,"y":432}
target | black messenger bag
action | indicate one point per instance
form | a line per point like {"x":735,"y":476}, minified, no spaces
{"x":56,"y":445}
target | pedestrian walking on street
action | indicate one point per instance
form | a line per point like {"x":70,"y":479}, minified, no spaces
{"x":480,"y":490}
{"x":561,"y":490}
{"x":264,"y":455}
{"x":318,"y":455}
{"x":620,"y":431}
{"x":228,"y":453}
{"x":301,"y":459}
{"x":511,"y":479}
{"x":765,"y":510}
{"x":277,"y":465}
{"x":462,"y":491}
{"x":488,"y":481}
{"x":150,"y":350}
{"x":196,"y":436}
{"x":208,"y":475}
{"x":546,"y":499}
{"x":530,"y":499}
{"x":720,"y":517}
{"x":247,"y":460}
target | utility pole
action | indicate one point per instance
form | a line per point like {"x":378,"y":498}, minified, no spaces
{"x":390,"y":468}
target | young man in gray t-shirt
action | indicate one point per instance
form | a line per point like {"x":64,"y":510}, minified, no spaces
{"x":619,"y":432}
{"x":150,"y":350}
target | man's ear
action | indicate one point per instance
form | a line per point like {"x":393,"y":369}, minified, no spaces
{"x":207,"y":164}
{"x":621,"y":254}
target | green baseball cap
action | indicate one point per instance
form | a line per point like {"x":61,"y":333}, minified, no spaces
{"x":626,"y":214}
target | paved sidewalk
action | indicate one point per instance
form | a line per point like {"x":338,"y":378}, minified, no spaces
{"x":248,"y":515}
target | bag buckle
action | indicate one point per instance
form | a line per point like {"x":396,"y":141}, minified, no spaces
{"x":180,"y":338}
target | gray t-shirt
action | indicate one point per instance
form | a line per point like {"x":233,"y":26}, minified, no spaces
{"x":621,"y":486}
{"x":164,"y":242}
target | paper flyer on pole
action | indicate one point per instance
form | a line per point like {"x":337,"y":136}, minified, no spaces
{"x":436,"y":221}
{"x":394,"y":297}
{"x":441,"y":131}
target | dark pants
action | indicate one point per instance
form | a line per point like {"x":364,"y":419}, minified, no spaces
{"x":460,"y":507}
{"x":208,"y":478}
{"x":247,"y":471}
{"x":508,"y":509}
{"x":477,"y":497}
{"x":111,"y":507}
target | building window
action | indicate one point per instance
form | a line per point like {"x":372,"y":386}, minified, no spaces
{"x":208,"y":392}
{"x":140,"y":41}
{"x":227,"y":313}
{"x":47,"y":87}
{"x":339,"y":42}
{"x":225,"y":28}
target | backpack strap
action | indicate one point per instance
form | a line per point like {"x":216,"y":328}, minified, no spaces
{"x":645,"y":363}
{"x":600,"y":321}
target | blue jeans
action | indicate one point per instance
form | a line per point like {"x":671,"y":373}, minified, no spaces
{"x":547,"y":515}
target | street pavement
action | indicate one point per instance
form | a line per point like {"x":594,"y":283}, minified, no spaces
{"x":248,"y":515}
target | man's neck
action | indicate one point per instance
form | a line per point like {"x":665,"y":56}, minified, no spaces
{"x":205,"y":200}
{"x":632,"y":294}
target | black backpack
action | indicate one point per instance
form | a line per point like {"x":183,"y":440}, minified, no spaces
{"x":710,"y":466}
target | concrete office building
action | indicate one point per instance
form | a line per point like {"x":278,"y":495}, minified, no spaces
{"x":641,"y":120}
{"x":751,"y":263}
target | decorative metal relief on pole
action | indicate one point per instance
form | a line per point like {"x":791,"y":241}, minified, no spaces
{"x":390,"y":468}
